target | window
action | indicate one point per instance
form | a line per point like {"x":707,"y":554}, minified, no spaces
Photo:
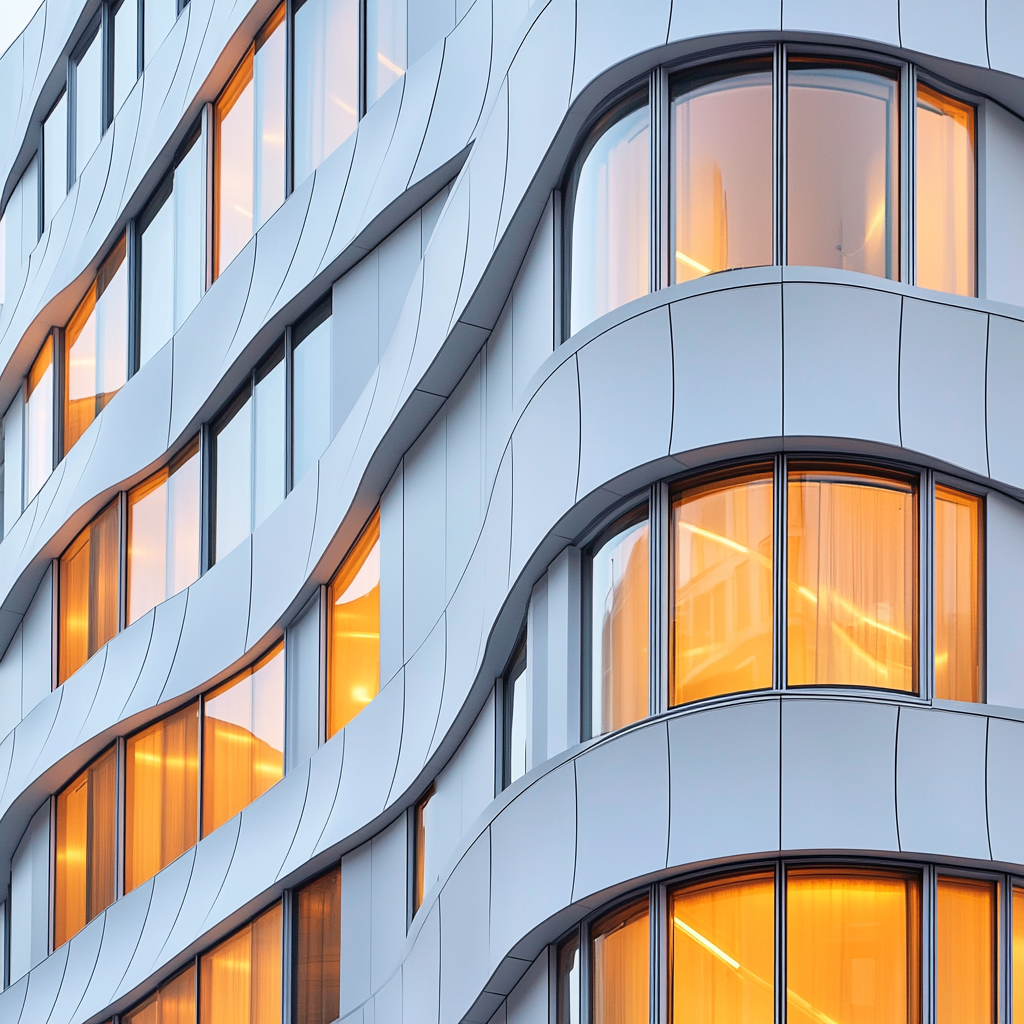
{"x":89,"y":107}
{"x":55,"y":158}
{"x":39,"y":421}
{"x":317,"y":950}
{"x":966,"y":954}
{"x":96,"y":347}
{"x":353,"y":651}
{"x":85,"y":848}
{"x":424,"y":869}
{"x":311,"y":391}
{"x":620,"y":956}
{"x":243,"y":739}
{"x":518,"y":698}
{"x":21,"y":228}
{"x":173,"y":1003}
{"x":163,"y":533}
{"x":125,"y":37}
{"x":568,"y":985}
{"x":386,"y":33}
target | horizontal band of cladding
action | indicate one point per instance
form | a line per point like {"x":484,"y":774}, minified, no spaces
{"x":749,"y":777}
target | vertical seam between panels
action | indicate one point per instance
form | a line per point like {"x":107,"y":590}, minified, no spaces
{"x":899,"y":376}
{"x":579,"y":422}
{"x":672,"y":370}
{"x":988,"y":828}
{"x":988,"y":342}
{"x":426,"y":127}
{"x":896,"y":778}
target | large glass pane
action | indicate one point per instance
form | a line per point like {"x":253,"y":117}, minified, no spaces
{"x":843,"y":167}
{"x":853,"y":947}
{"x":385,"y":46}
{"x":189,"y":234}
{"x":268,"y":112}
{"x":619,"y":663}
{"x":158,"y":17}
{"x":946,"y":193}
{"x":722,"y":170}
{"x":240,"y":980}
{"x":611,"y":213}
{"x":163,"y":534}
{"x":353,"y":678}
{"x":243,"y":739}
{"x":85,"y":848}
{"x":965,"y":962}
{"x":234,"y":167}
{"x":161,"y":812}
{"x":620,"y":969}
{"x":568,"y":994}
{"x":326,"y":80}
{"x":173,"y":1003}
{"x":723,"y":952}
{"x":269,"y":468}
{"x":852,"y":573}
{"x":39,"y":422}
{"x":957,"y":595}
{"x":518,"y":697}
{"x":55,"y":158}
{"x":721,"y":631}
{"x":89,"y":591}
{"x":1017,"y":955}
{"x":424,"y":868}
{"x":88,"y":102}
{"x":126,"y":50}
{"x":156,"y":276}
{"x":233,"y":480}
{"x":318,"y":950}
{"x":311,"y":399}
{"x":96,"y":347}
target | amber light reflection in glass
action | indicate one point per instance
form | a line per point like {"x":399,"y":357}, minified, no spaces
{"x":722,"y":170}
{"x":722,"y":577}
{"x":161,"y":794}
{"x":843,"y":167}
{"x":354,"y":651}
{"x":723,"y":952}
{"x":243,"y":739}
{"x":85,"y":848}
{"x":957,"y":595}
{"x":620,"y":966}
{"x":173,"y":1003}
{"x":966,"y":951}
{"x":422,"y":873}
{"x":318,"y":950}
{"x":853,"y":948}
{"x":1017,"y":966}
{"x":945,"y":192}
{"x":851,"y":580}
{"x":240,"y":980}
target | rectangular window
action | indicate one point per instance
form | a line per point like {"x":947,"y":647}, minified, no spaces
{"x":386,"y":35}
{"x":39,"y":421}
{"x":240,"y":980}
{"x":89,"y":591}
{"x":174,"y":1002}
{"x":88,"y":71}
{"x":243,"y":739}
{"x":568,"y":995}
{"x":232,"y":444}
{"x":311,"y":392}
{"x":966,"y":951}
{"x":161,"y":814}
{"x":163,"y":533}
{"x":1017,"y":955}
{"x":55,"y":158}
{"x":156,"y":273}
{"x":945,"y":189}
{"x":85,"y":847}
{"x":317,"y":945}
{"x":619,"y":626}
{"x":126,"y":50}
{"x":353,"y":672}
{"x":96,"y":347}
{"x":620,"y":986}
{"x":268,"y":438}
{"x":189,"y":198}
{"x":424,"y":869}
{"x":518,"y":715}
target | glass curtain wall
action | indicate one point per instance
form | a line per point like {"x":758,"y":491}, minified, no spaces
{"x":39,"y":421}
{"x":967,"y":915}
{"x":386,"y":46}
{"x":174,"y":1002}
{"x":317,"y":950}
{"x":126,"y":50}
{"x":55,"y":158}
{"x":88,"y":72}
{"x":620,"y":966}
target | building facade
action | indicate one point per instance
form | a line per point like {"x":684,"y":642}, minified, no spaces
{"x":512,"y":512}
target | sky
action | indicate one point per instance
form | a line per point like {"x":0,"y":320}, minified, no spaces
{"x":14,"y":16}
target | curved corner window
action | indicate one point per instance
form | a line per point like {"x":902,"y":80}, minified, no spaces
{"x":611,"y":214}
{"x":620,"y":945}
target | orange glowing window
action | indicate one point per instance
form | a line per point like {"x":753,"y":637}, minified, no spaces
{"x":243,"y":739}
{"x":240,"y":980}
{"x":424,"y":869}
{"x":620,"y":966}
{"x":318,"y":950}
{"x":353,"y":677}
{"x":852,"y":570}
{"x":1017,"y":964}
{"x":161,"y":814}
{"x":721,"y":560}
{"x":163,"y":533}
{"x":89,"y":591}
{"x":966,"y":951}
{"x":853,"y":947}
{"x":96,"y":347}
{"x":85,"y":848}
{"x":957,"y":595}
{"x":946,"y":193}
{"x":174,"y":1002}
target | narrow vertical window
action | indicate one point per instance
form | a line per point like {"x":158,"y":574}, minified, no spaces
{"x":126,"y":50}
{"x":174,"y":1002}
{"x":852,"y":571}
{"x":326,"y":93}
{"x":96,"y":347}
{"x":268,"y":72}
{"x":721,"y":192}
{"x":232,"y":489}
{"x":161,"y":813}
{"x":39,"y":421}
{"x":946,"y":193}
{"x":619,"y":627}
{"x":568,"y":994}
{"x":853,"y":946}
{"x":240,"y":980}
{"x":722,"y":952}
{"x":55,"y":158}
{"x":353,"y":678}
{"x":243,"y":739}
{"x":620,"y":966}
{"x":269,"y":438}
{"x":189,"y":234}
{"x":424,"y":870}
{"x":721,"y":557}
{"x":611,"y":214}
{"x":311,"y":394}
{"x":88,"y":72}
{"x":386,"y":44}
{"x":1017,"y":956}
{"x":89,"y":591}
{"x":957,"y":595}
{"x":318,"y":950}
{"x":163,"y":534}
{"x":966,"y":951}
{"x":518,"y":696}
{"x":156,"y":273}
{"x":85,"y":860}
{"x":843,"y":167}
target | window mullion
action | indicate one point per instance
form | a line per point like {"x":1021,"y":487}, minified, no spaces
{"x":780,"y":941}
{"x":926,"y":585}
{"x":908,"y":106}
{"x":779,"y":554}
{"x":779,"y":115}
